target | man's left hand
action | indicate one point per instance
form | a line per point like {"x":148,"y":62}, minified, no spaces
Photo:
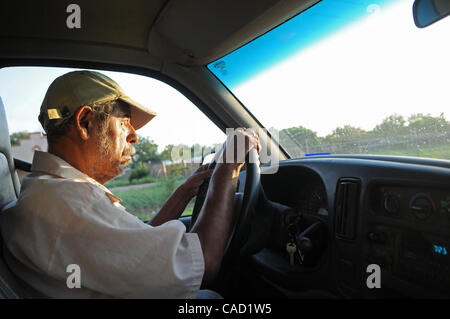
{"x":192,"y":184}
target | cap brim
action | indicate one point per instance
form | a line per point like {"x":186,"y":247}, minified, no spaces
{"x":140,"y":115}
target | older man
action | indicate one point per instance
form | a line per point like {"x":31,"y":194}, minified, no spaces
{"x":66,"y":220}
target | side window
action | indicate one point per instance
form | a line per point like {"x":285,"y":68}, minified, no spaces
{"x":170,"y":147}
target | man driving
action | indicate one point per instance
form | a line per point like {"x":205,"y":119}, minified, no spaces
{"x":65,"y":216}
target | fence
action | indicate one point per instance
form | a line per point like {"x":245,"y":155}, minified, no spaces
{"x":413,"y":143}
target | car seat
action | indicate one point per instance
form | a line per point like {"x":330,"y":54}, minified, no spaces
{"x":11,"y":287}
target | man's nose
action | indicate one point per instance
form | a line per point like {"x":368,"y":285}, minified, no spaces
{"x":132,"y":135}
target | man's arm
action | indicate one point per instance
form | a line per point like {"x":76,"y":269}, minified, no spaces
{"x":214,"y":220}
{"x":213,"y":224}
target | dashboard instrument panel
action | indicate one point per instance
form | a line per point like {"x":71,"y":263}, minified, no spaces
{"x":392,"y":212}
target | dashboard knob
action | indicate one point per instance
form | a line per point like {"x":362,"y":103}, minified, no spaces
{"x":422,"y":205}
{"x":445,"y":206}
{"x":391,"y":204}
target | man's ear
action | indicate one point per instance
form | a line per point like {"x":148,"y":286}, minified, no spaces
{"x":83,"y":121}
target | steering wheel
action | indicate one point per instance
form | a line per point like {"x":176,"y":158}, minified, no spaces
{"x":243,"y":206}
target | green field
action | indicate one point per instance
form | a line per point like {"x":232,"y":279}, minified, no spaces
{"x":146,"y":202}
{"x":123,"y":181}
{"x":431,"y":151}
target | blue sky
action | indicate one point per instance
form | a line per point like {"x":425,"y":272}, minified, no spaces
{"x":313,"y":25}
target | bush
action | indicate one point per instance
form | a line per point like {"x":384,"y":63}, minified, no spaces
{"x":141,"y":170}
{"x":16,"y":137}
{"x":124,"y":181}
{"x":176,"y":169}
{"x":169,"y":184}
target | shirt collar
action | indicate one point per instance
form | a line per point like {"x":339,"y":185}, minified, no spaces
{"x":48,"y":163}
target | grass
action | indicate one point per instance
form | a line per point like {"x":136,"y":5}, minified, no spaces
{"x":123,"y":181}
{"x":429,"y":151}
{"x":147,"y":201}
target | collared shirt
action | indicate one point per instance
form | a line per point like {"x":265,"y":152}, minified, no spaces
{"x":65,"y":218}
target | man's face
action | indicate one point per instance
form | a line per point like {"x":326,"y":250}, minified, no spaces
{"x":114,"y":141}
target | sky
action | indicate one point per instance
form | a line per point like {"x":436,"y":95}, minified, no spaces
{"x":380,"y":65}
{"x":318,"y":22}
{"x":178,"y":120}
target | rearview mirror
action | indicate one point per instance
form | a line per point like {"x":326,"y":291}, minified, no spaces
{"x":427,"y":12}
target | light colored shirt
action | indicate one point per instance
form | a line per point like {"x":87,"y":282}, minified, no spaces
{"x":64,"y":217}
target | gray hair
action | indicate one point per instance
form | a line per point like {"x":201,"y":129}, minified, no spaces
{"x":101,"y":111}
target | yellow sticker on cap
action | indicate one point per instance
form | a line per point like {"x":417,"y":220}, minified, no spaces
{"x":53,"y":114}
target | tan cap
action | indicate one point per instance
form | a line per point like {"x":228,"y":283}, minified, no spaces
{"x":75,"y":89}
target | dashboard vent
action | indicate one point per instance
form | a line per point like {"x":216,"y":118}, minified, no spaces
{"x":347,"y":197}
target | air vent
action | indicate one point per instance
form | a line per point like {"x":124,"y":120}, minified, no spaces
{"x":347,"y":207}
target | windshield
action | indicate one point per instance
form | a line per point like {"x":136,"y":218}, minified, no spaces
{"x":348,"y":77}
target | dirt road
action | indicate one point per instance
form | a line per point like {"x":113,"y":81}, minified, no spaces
{"x":125,"y":188}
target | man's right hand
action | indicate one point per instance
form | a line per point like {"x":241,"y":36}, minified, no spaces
{"x":238,"y":145}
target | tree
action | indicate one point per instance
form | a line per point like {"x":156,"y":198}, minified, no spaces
{"x":420,"y":123}
{"x":299,"y":134}
{"x":176,"y":152}
{"x":166,"y":154}
{"x":146,"y":150}
{"x":298,"y":140}
{"x":16,"y":137}
{"x":197,"y":150}
{"x":346,"y":134}
{"x":393,"y":125}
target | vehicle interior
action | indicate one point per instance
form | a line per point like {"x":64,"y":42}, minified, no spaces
{"x":342,"y":212}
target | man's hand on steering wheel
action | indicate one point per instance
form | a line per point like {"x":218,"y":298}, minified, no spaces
{"x":234,"y":152}
{"x":193,"y":182}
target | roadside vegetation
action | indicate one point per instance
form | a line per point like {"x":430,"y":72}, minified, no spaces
{"x":147,"y":168}
{"x":418,"y":135}
{"x":16,"y":137}
{"x":147,"y":201}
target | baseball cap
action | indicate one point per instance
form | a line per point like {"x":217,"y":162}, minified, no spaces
{"x":75,"y":89}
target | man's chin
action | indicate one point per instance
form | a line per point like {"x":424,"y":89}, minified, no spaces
{"x":117,"y":170}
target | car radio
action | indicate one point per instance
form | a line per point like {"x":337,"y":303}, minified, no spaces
{"x":424,"y":259}
{"x":408,"y":236}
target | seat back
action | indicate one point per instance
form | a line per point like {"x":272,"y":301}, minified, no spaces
{"x":11,"y":287}
{"x":9,"y":181}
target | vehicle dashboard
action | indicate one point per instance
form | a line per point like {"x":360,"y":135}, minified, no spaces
{"x":393,"y":212}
